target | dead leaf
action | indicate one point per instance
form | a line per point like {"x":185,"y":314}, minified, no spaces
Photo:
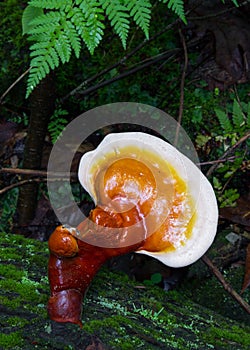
{"x":240,"y":214}
{"x":246,"y":282}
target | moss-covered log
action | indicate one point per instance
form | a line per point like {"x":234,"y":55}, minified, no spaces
{"x":118,"y":313}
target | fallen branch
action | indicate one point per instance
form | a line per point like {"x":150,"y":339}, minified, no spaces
{"x":225,"y":284}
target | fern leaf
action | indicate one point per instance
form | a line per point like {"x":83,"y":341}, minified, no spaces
{"x":49,"y":4}
{"x":47,"y":20}
{"x":118,"y":15}
{"x":140,"y":10}
{"x":52,"y":58}
{"x":57,"y":124}
{"x":224,"y":120}
{"x":238,"y":116}
{"x":29,"y":13}
{"x":235,"y":2}
{"x":92,"y":32}
{"x":53,"y":43}
{"x":75,"y":41}
{"x":248,"y":115}
{"x":63,"y":47}
{"x":177,"y":6}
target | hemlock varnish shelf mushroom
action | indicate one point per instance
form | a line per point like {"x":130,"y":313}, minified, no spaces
{"x":149,"y":199}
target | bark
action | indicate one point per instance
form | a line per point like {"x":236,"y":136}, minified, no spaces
{"x":118,"y":312}
{"x":41,"y":108}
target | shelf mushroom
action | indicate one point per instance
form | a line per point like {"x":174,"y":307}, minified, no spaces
{"x":149,"y":199}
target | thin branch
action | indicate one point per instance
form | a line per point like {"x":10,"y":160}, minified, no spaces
{"x":182,"y":86}
{"x":20,"y":183}
{"x":12,"y":85}
{"x":230,"y":150}
{"x":135,"y":69}
{"x":229,"y":159}
{"x":40,"y":173}
{"x":118,"y":63}
{"x":225,"y":284}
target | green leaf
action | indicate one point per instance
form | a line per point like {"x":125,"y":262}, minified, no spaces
{"x":238,"y":116}
{"x":140,"y":10}
{"x":47,"y":22}
{"x":29,"y":13}
{"x":75,"y":41}
{"x":156,"y":278}
{"x":118,"y":16}
{"x":229,"y":197}
{"x":177,"y":6}
{"x":57,"y":124}
{"x":92,"y":32}
{"x":50,"y":4}
{"x":224,"y":120}
{"x":248,"y":115}
{"x":216,"y":183}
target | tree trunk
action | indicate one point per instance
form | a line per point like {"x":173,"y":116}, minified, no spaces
{"x":41,"y":108}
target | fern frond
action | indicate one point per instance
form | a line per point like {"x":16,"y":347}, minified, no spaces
{"x":235,"y":2}
{"x":238,"y":116}
{"x":92,"y":32}
{"x":224,"y":120}
{"x":63,"y":47}
{"x":71,"y":32}
{"x":177,"y":6}
{"x":140,"y":10}
{"x":248,"y":115}
{"x":29,"y":13}
{"x":51,"y":18}
{"x":118,"y":15}
{"x":52,"y":46}
{"x":49,"y":4}
{"x":57,"y":124}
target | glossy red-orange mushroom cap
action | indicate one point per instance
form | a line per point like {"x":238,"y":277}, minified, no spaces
{"x":62,"y":243}
{"x":139,"y":173}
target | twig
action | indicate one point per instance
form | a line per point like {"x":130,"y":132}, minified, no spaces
{"x":12,"y":85}
{"x":225,"y":284}
{"x":20,"y":183}
{"x":32,"y":172}
{"x":231,"y":149}
{"x":149,"y":62}
{"x":181,"y":87}
{"x":118,"y":63}
{"x":229,"y":159}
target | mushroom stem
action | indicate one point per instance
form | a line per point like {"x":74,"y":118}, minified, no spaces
{"x":70,"y":275}
{"x":69,"y":280}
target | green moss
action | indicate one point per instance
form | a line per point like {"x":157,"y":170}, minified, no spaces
{"x":223,"y":336}
{"x":16,"y":321}
{"x":10,"y":341}
{"x":116,"y":311}
{"x":10,"y":271}
{"x":210,"y":293}
{"x":9,"y":254}
{"x":11,"y":302}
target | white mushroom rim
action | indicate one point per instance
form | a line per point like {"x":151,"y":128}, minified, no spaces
{"x":198,"y":187}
